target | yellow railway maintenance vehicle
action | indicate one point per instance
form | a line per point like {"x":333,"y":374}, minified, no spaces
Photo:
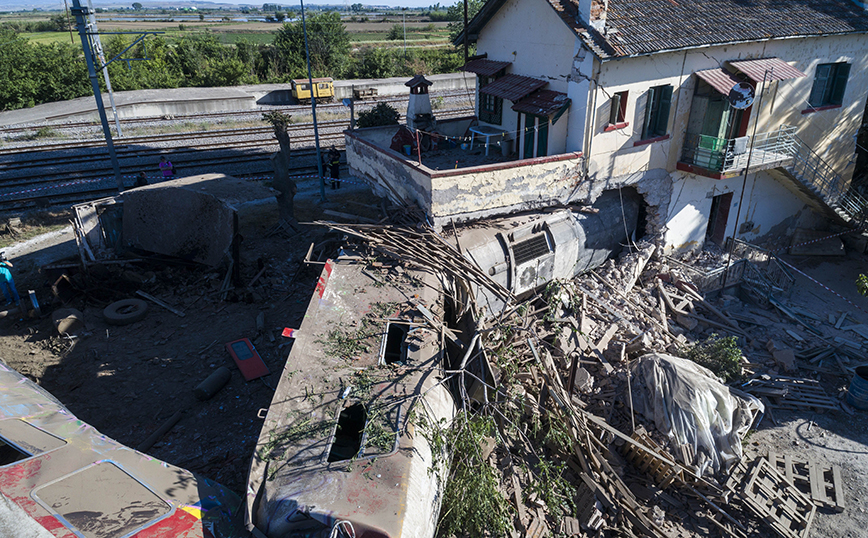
{"x":323,"y":89}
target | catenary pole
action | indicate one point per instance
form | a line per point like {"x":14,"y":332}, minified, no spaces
{"x":97,"y":45}
{"x":322,"y":195}
{"x":80,"y":13}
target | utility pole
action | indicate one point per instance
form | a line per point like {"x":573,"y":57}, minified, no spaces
{"x":466,"y":40}
{"x":759,"y":110}
{"x":97,"y":45}
{"x":404,"y":20}
{"x":80,"y":13}
{"x":322,"y":196}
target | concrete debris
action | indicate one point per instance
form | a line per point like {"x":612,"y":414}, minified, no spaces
{"x":568,"y":348}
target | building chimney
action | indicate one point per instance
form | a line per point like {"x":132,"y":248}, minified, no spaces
{"x":419,"y":114}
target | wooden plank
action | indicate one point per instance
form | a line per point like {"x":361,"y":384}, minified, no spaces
{"x":838,"y":486}
{"x":603,"y":344}
{"x":519,"y":504}
{"x":161,"y":303}
{"x":841,"y":320}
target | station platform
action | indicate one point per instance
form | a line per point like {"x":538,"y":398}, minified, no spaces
{"x":181,"y":101}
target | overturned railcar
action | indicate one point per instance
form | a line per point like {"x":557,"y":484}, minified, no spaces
{"x":59,"y":477}
{"x":525,"y":252}
{"x":344,"y":442}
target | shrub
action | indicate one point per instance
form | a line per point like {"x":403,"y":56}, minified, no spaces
{"x":382,"y":114}
{"x":395,"y":33}
{"x":720,"y":354}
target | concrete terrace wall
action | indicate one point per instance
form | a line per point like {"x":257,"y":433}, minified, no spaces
{"x":464,"y":194}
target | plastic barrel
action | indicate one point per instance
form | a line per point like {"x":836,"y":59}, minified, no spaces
{"x":857,"y":396}
{"x":212,"y":384}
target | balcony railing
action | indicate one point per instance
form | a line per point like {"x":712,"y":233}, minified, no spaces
{"x":731,"y":154}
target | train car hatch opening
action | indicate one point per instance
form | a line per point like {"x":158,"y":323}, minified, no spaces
{"x":348,"y":437}
{"x":394,"y":347}
{"x":10,"y":454}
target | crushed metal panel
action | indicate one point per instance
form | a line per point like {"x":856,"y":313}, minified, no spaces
{"x":63,"y":455}
{"x":27,"y":437}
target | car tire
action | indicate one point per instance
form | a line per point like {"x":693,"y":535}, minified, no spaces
{"x":125,"y":312}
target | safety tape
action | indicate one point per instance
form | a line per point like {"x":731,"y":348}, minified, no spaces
{"x":827,"y":288}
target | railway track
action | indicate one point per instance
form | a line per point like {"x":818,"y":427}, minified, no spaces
{"x":44,"y":175}
{"x":197,"y":139}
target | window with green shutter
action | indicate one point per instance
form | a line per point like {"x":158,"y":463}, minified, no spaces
{"x":490,"y":107}
{"x":830,"y":82}
{"x":657,"y":107}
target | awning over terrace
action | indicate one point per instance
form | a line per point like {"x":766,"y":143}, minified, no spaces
{"x":513,"y":87}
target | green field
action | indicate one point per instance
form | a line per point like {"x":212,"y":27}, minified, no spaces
{"x":420,"y":31}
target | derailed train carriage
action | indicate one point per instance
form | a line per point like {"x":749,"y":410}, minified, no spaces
{"x":346,"y":443}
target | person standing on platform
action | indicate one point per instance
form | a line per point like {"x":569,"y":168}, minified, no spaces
{"x":333,"y":160}
{"x":7,"y":283}
{"x":166,"y":167}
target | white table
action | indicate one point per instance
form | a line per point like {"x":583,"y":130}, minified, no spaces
{"x":487,"y":131}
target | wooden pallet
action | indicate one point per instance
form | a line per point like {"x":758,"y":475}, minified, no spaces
{"x":662,"y":473}
{"x":822,"y":484}
{"x":793,"y":393}
{"x":776,"y":501}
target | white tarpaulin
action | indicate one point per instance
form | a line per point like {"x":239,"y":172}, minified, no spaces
{"x":690,"y":405}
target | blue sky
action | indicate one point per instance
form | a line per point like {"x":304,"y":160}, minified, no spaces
{"x":58,"y":4}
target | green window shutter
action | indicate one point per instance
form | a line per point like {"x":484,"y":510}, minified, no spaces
{"x":528,"y":136}
{"x":842,"y":72}
{"x":542,"y":137}
{"x":614,"y":109}
{"x":662,"y":120}
{"x":821,"y":79}
{"x":649,"y":108}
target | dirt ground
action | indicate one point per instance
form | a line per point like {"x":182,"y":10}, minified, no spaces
{"x":127,"y":380}
{"x":831,"y":437}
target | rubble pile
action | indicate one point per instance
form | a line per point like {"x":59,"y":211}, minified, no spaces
{"x":561,"y":375}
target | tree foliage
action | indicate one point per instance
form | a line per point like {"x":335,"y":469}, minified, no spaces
{"x":329,"y":45}
{"x":455,"y":13}
{"x":38,"y":73}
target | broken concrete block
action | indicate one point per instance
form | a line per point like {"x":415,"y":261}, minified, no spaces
{"x":686,"y":322}
{"x":583,"y":380}
{"x":786,"y":359}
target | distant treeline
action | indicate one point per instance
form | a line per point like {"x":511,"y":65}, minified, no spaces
{"x":34,"y":73}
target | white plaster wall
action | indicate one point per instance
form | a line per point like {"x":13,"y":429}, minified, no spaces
{"x":532,"y":37}
{"x":529,"y":34}
{"x":767,"y":204}
{"x":557,"y":141}
{"x":497,"y":192}
{"x":828,"y":132}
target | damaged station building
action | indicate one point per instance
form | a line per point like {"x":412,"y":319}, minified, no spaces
{"x":666,"y":101}
{"x":598,"y":124}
